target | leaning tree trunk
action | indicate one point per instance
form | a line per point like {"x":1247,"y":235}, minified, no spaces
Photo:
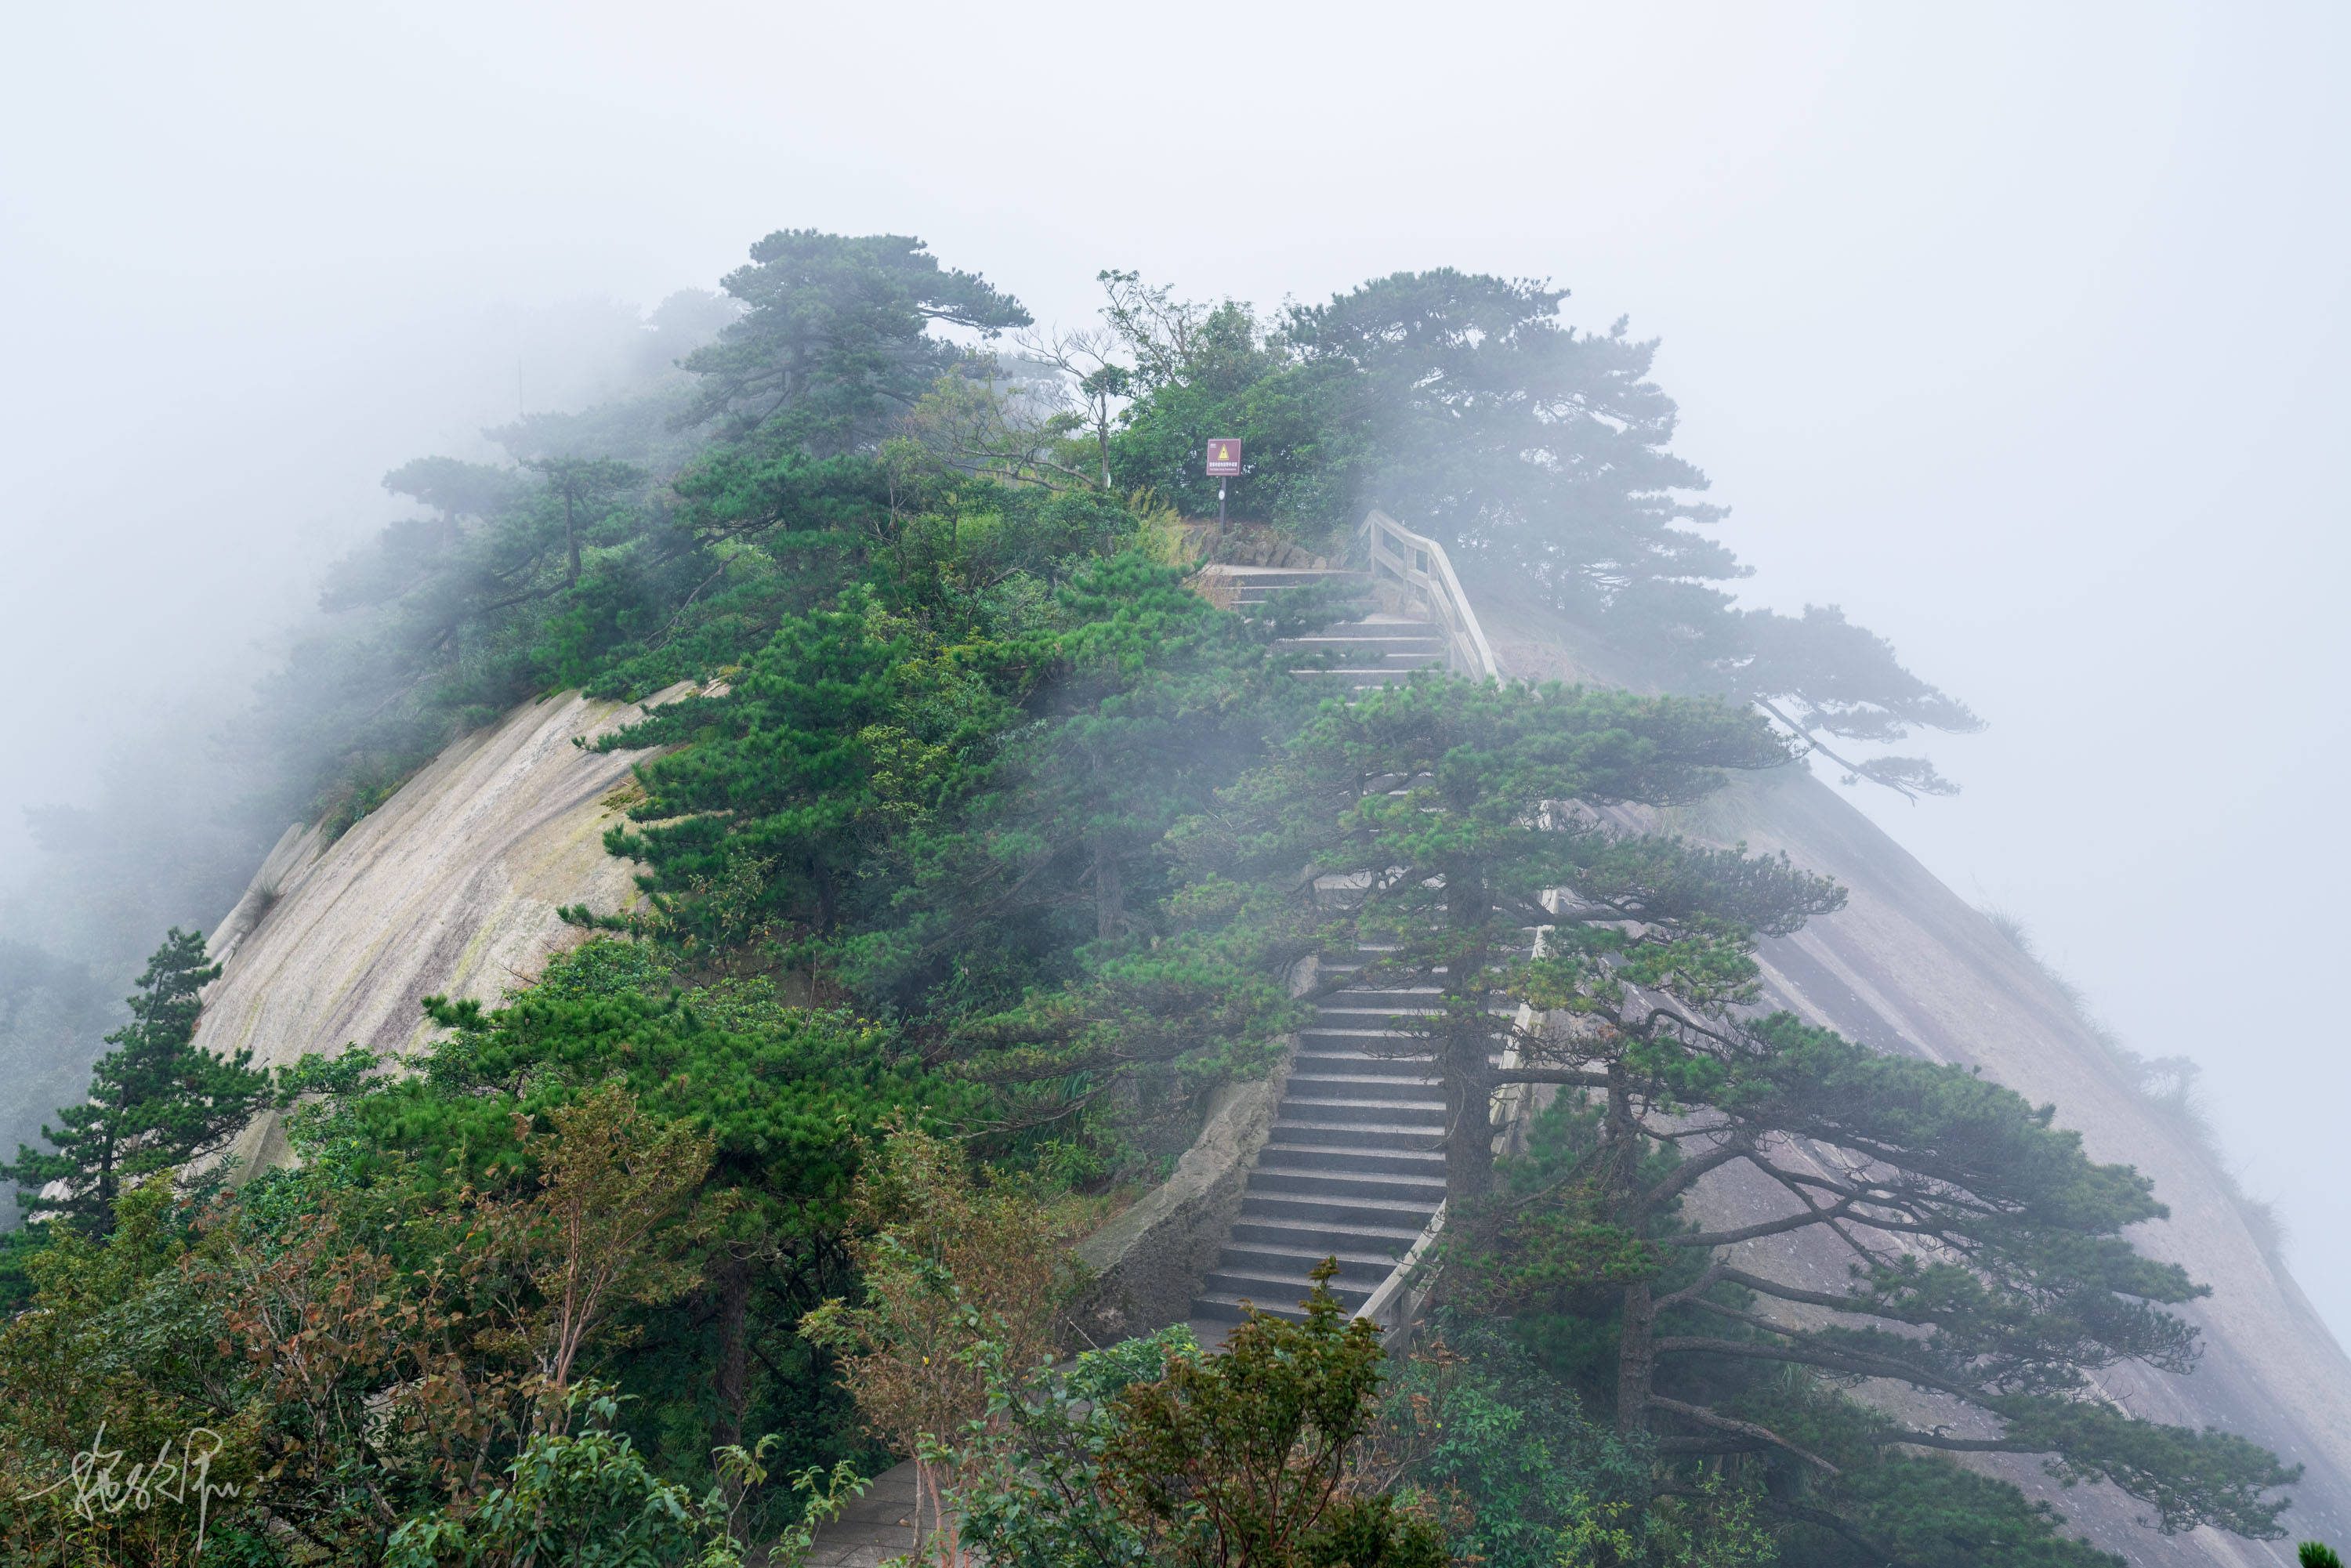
{"x":1468,"y":1087}
{"x":1636,"y":1359}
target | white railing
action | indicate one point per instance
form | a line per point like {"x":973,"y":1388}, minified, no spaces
{"x":1412,"y":576}
{"x":1396,"y":1302}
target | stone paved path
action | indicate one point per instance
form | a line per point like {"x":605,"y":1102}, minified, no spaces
{"x":875,"y":1528}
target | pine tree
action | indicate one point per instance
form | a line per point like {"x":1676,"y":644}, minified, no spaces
{"x":833,"y":344}
{"x":1438,"y":824}
{"x":156,"y":1102}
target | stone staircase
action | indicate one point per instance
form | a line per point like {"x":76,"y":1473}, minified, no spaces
{"x":1373,"y":651}
{"x":1355,"y":1169}
{"x":1356,"y":654}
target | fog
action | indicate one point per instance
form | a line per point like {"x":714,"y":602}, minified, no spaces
{"x":2017,"y":331}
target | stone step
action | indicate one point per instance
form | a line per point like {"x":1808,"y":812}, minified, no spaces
{"x":1391,"y":994}
{"x":1365,"y":1030}
{"x":1407,"y":1040}
{"x":1415,"y":1069}
{"x":1283,"y":1262}
{"x":1357,"y":656}
{"x":1383,"y":1157}
{"x":1318,"y":1239}
{"x":1393,"y":654}
{"x":1258,"y":595}
{"x":1385,"y":1113}
{"x":1418,"y":980}
{"x":1281,"y":1289}
{"x":1336,"y":1210}
{"x":1404,"y":983}
{"x":1367,"y":1060}
{"x":1410,"y":1084}
{"x":1284,"y":576}
{"x":1322,"y":1087}
{"x":1359,"y":1039}
{"x":1331,"y":1055}
{"x":1343,"y":1132}
{"x":1366,"y":1186}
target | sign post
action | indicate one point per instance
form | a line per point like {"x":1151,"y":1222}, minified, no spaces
{"x":1223,"y":465}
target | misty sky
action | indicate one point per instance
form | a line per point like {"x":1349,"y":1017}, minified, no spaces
{"x":2016,"y":330}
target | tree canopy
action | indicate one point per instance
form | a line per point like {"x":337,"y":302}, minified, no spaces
{"x":834,"y":340}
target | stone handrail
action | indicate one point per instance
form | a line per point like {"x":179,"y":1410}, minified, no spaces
{"x":1396,"y":1304}
{"x":1410,"y":571}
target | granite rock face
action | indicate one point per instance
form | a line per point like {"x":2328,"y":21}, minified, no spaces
{"x":449,"y":889}
{"x":1149,"y":1260}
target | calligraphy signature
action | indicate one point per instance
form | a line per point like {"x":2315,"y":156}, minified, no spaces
{"x":95,"y":1486}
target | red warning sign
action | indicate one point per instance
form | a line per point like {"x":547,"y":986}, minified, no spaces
{"x":1224,"y":459}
